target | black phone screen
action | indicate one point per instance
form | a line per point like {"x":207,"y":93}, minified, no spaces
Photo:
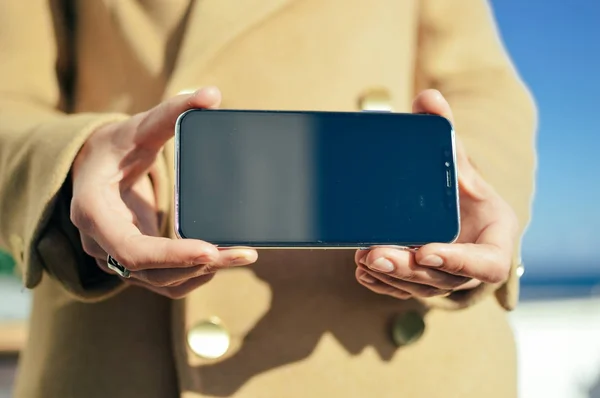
{"x":317,"y":179}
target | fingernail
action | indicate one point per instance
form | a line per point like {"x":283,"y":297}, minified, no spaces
{"x":382,"y":265}
{"x":367,"y":278}
{"x":432,"y":261}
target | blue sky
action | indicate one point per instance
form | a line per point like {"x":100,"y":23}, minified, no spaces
{"x":556,"y":47}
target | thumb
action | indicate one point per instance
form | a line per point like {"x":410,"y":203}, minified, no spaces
{"x":158,"y":124}
{"x":432,"y":102}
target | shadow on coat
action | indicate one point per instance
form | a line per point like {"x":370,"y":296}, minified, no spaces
{"x":301,"y":314}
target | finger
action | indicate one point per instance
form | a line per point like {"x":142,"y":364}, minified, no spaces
{"x":120,"y":238}
{"x":488,"y":260}
{"x":91,"y":248}
{"x":172,"y":276}
{"x":415,"y":289}
{"x":471,"y":284}
{"x":140,"y":200}
{"x":378,"y":287}
{"x":235,"y":257}
{"x":175,"y":276}
{"x":158,"y":124}
{"x":432,"y":102}
{"x":401,"y":264}
{"x":175,"y":292}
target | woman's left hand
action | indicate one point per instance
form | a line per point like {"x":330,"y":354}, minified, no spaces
{"x":482,"y":253}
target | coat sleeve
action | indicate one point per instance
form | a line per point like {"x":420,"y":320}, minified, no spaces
{"x":38,"y":143}
{"x":460,"y":53}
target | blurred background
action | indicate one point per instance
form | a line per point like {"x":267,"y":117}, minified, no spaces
{"x":556,"y":47}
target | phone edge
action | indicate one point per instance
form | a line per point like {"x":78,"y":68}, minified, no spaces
{"x":180,"y":235}
{"x":456,"y":182}
{"x":176,"y":197}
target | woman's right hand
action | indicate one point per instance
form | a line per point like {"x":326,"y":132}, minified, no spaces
{"x":114,"y":205}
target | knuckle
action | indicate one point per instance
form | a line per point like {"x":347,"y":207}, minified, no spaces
{"x":409,"y":275}
{"x":499,"y":268}
{"x":455,"y":267}
{"x":143,"y":120}
{"x":501,"y":274}
{"x":131,"y":255}
{"x":126,"y":260}
{"x":81,"y":215}
{"x":89,"y":247}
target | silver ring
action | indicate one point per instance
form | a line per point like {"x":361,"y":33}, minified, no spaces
{"x":117,"y":267}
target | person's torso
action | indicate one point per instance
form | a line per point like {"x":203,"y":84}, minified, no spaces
{"x":298,"y":322}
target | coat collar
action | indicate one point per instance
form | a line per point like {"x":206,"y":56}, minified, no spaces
{"x":211,"y":25}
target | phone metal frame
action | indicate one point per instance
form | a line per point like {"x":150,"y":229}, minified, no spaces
{"x":285,"y":246}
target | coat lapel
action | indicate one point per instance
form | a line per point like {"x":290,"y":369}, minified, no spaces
{"x":212,"y":24}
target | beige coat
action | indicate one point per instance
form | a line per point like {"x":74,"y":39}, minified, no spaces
{"x":299,"y":323}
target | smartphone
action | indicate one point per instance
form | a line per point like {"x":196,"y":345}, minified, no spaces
{"x":295,"y":179}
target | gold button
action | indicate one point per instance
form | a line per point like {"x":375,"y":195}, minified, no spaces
{"x":377,"y":99}
{"x":209,"y":339}
{"x":407,"y":328}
